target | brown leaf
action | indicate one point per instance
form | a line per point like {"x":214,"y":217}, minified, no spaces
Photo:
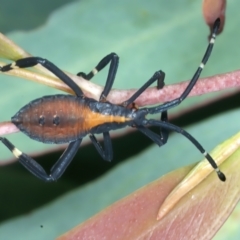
{"x":198,"y":215}
{"x":213,"y":9}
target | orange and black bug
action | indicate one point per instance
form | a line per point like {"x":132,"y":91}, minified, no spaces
{"x":67,"y":119}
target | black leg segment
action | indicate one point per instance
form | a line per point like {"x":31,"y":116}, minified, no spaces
{"x":111,"y":58}
{"x":36,"y":169}
{"x":60,"y":166}
{"x":164,"y":133}
{"x":106,"y":152}
{"x":158,"y":76}
{"x":152,"y":135}
{"x":32,"y":61}
{"x":160,"y":139}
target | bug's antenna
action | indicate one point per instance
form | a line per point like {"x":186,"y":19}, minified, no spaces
{"x":177,"y":129}
{"x":177,"y":101}
{"x":204,"y":60}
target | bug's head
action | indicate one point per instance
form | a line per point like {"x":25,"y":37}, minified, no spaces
{"x":139,"y":116}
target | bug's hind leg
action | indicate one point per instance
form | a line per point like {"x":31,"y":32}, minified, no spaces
{"x":111,"y":58}
{"x":32,"y":61}
{"x":36,"y":169}
{"x":106,"y":152}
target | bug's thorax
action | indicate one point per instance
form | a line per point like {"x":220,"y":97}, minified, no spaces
{"x":64,"y":118}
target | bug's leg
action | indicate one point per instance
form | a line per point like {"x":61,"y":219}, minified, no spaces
{"x":65,"y":159}
{"x":32,"y":61}
{"x":107,"y":152}
{"x":162,"y":139}
{"x":164,"y":133}
{"x":36,"y":169}
{"x":158,"y":76}
{"x":111,"y":58}
{"x":152,"y":135}
{"x":159,"y":139}
{"x":195,"y":77}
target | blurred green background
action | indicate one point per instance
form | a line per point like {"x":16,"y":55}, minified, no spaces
{"x":148,"y":36}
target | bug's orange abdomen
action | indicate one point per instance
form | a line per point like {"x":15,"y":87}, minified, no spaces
{"x":56,"y":119}
{"x":61,"y":118}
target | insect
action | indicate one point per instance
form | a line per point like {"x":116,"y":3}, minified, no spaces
{"x":67,"y":118}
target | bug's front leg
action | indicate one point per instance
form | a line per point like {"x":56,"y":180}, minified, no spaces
{"x":158,"y":76}
{"x":164,"y":133}
{"x":36,"y":169}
